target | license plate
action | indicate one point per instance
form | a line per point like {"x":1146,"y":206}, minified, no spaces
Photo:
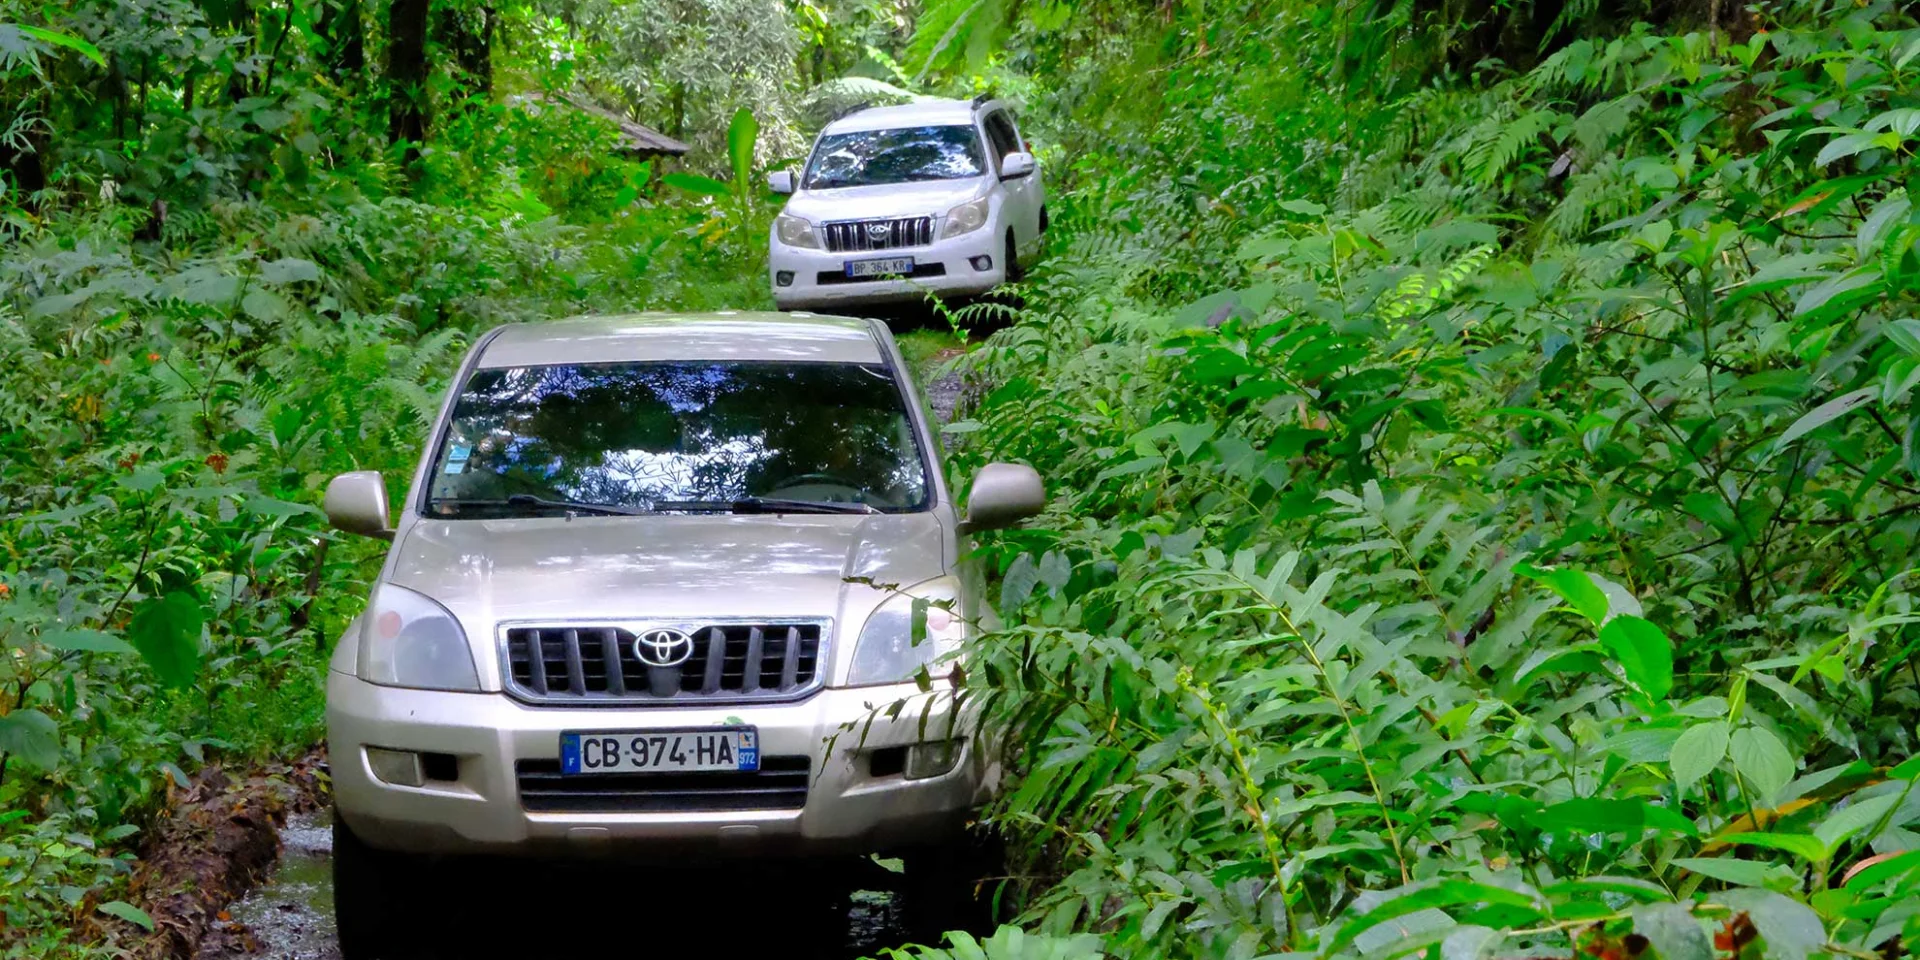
{"x":903,"y":266}
{"x":663,"y":751}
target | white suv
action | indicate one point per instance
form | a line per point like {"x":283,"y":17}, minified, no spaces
{"x":935,"y":196}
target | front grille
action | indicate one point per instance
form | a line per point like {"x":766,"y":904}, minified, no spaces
{"x":585,"y":665}
{"x":848,"y":235}
{"x":831,"y":277}
{"x":779,"y":784}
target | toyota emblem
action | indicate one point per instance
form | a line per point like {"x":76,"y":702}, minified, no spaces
{"x":879,"y":231}
{"x":663,"y":648}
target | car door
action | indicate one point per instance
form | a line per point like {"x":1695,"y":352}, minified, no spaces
{"x":1022,"y":196}
{"x":1036,"y":191}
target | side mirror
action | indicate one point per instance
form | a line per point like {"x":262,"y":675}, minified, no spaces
{"x":1003,"y":494}
{"x":357,"y":503}
{"x":780,"y":181}
{"x":1013,"y":166}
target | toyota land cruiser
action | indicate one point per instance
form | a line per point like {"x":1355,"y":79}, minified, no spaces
{"x":934,"y":196}
{"x":657,"y":583}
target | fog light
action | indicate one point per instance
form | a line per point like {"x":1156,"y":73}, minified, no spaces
{"x":784,"y":278}
{"x":982,"y":262}
{"x":932,"y":759}
{"x":400,"y":767}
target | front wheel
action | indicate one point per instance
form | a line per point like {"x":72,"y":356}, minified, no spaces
{"x":377,"y":898}
{"x":953,"y":887}
{"x":1015,"y":273}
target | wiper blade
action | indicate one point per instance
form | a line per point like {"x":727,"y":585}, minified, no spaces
{"x":764,"y":505}
{"x":611,"y":509}
{"x":529,"y":500}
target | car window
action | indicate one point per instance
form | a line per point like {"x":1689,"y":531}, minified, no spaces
{"x":905,"y":155}
{"x":634,"y":434}
{"x":1000,"y":131}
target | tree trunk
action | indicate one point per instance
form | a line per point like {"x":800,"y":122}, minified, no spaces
{"x":346,"y":40}
{"x":242,"y":20}
{"x":407,"y":75}
{"x":23,"y":164}
{"x":468,"y":35}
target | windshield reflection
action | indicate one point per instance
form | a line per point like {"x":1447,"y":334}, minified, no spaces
{"x":906,"y":155}
{"x":636,"y":434}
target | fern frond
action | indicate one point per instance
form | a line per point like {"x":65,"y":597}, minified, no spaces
{"x":839,"y":96}
{"x":1490,"y":159}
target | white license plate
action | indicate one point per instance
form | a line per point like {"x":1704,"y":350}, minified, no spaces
{"x":902,"y":266}
{"x":664,"y":751}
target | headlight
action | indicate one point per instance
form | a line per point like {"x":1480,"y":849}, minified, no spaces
{"x":794,"y":232}
{"x":407,"y":640}
{"x":966,"y":218}
{"x":915,"y":628}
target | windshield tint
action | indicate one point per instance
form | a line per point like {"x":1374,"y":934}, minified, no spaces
{"x":871,"y":157}
{"x":635,"y":434}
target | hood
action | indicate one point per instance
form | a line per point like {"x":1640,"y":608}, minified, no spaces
{"x":928,"y":198}
{"x":679,"y":567}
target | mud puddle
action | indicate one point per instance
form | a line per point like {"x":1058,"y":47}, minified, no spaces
{"x":290,"y":917}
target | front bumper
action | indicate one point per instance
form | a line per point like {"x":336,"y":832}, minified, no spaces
{"x":953,"y":259}
{"x":848,"y":809}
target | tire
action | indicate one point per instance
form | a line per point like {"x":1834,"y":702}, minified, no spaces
{"x":1015,"y":273}
{"x":374,"y":894}
{"x":953,"y":887}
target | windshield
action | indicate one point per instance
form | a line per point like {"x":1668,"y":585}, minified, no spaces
{"x":872,"y":157}
{"x":639,"y":435}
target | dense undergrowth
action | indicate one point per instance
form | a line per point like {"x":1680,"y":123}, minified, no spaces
{"x":209,"y":305}
{"x":1481,"y":434}
{"x":1485,"y":494}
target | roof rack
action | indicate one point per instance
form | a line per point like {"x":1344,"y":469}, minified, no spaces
{"x":980,"y":100}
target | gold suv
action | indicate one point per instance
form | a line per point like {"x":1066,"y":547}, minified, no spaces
{"x":663,"y":587}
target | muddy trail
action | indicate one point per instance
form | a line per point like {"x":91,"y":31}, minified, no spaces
{"x":563,"y":912}
{"x":584,"y":911}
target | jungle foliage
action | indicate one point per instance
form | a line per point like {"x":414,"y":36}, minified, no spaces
{"x":1481,"y":434}
{"x":1484,"y":464}
{"x":245,"y":244}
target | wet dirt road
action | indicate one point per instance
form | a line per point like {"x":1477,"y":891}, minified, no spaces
{"x":580,"y":914}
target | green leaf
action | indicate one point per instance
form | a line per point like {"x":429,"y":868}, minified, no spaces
{"x":742,"y":133}
{"x":1698,"y":751}
{"x":1762,"y":760}
{"x":128,"y":912}
{"x":1789,"y":928}
{"x":1742,"y":873}
{"x":290,"y":270}
{"x":92,"y":641}
{"x":166,"y":631}
{"x":1905,"y":334}
{"x":695,"y":183}
{"x":1643,"y":651}
{"x":1018,"y":583}
{"x":1803,"y":845}
{"x":1853,"y":818}
{"x":32,"y":736}
{"x":264,"y":305}
{"x":1605,"y":815}
{"x":1826,"y":413}
{"x":1573,"y":586}
{"x":1417,"y":897}
{"x":1470,"y":943}
{"x":1844,"y":146}
{"x":1673,"y":931}
{"x":58,"y":39}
